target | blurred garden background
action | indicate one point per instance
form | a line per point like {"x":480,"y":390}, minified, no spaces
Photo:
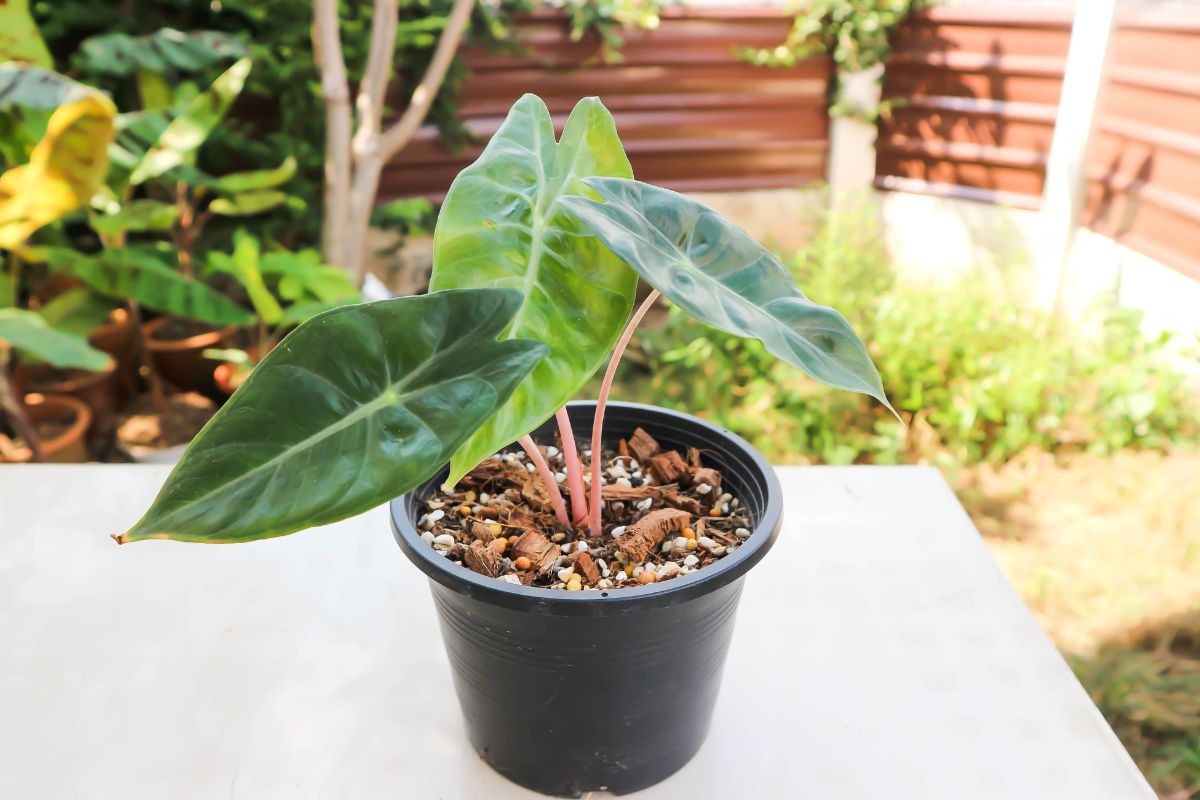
{"x":187,"y":180}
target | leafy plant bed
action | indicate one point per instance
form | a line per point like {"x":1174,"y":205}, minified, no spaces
{"x":664,"y":515}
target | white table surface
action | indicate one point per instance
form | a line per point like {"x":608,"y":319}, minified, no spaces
{"x":879,"y":653}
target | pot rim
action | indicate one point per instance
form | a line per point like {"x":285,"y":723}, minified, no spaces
{"x":597,"y":602}
{"x":196,"y":341}
{"x":78,"y":429}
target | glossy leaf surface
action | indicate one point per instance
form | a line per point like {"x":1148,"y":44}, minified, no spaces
{"x":146,"y":274}
{"x":254,"y":180}
{"x":502,"y":224}
{"x":718,"y":273}
{"x":247,"y":204}
{"x":26,"y":332}
{"x":353,"y":408}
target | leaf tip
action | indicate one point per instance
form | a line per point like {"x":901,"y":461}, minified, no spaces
{"x":120,"y":538}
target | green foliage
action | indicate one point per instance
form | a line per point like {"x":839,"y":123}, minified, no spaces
{"x":978,"y":376}
{"x":607,"y":20}
{"x":28,"y":333}
{"x":283,"y":112}
{"x":853,"y":32}
{"x":716,"y":272}
{"x":504,"y":223}
{"x":165,"y":51}
{"x":358,"y":406}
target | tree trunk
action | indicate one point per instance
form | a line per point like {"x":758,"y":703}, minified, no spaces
{"x":327,"y":47}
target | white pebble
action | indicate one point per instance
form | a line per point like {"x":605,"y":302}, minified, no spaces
{"x":558,"y":537}
{"x":644,"y":505}
{"x":628,"y":484}
{"x":587,"y":453}
{"x":650,"y":568}
{"x":638,"y":570}
{"x":680,"y":542}
{"x":565,"y":572}
{"x":551,"y":451}
{"x":434,"y":516}
{"x":423,"y":522}
{"x":605,"y":572}
{"x":742,"y":533}
{"x":668,"y":570}
{"x":725,"y":498}
{"x":568,"y":547}
{"x":703,"y":488}
{"x":633,"y":464}
{"x":427,"y":537}
{"x":560,"y":476}
{"x":617,"y":531}
{"x":706,"y":543}
{"x":601,"y":563}
{"x":443,"y":540}
{"x":604,"y":583}
{"x":621,"y":576}
{"x":582,"y":547}
{"x":530,"y":468}
{"x":691,"y":560}
{"x":719,"y":550}
{"x":735,"y":503}
{"x":511,"y":579}
{"x":667,"y":546}
{"x":484,"y":497}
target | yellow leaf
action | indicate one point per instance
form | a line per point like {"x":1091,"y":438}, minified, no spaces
{"x":64,"y":170}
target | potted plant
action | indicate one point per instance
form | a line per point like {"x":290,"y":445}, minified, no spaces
{"x":43,"y":427}
{"x":586,"y":624}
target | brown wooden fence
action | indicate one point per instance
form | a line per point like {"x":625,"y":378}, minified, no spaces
{"x":691,"y":115}
{"x":978,"y":90}
{"x":1144,"y":170}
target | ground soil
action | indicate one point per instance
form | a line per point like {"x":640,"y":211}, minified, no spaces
{"x":664,"y":515}
{"x":184,"y":416}
{"x":1106,"y":553}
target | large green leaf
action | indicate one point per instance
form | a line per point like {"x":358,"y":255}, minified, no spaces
{"x":355,"y":407}
{"x":503,"y":224}
{"x":719,"y":274}
{"x":139,"y":215}
{"x":178,"y":142}
{"x":26,"y":332}
{"x":120,"y":54}
{"x":303,"y":277}
{"x":147,"y":275}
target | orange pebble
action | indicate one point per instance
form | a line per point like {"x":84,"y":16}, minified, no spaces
{"x":647,"y":577}
{"x":716,"y":512}
{"x":688,"y":533}
{"x":513,"y":539}
{"x":499,"y":545}
{"x":522,"y":564}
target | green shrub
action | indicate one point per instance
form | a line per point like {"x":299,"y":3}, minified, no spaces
{"x":978,"y":375}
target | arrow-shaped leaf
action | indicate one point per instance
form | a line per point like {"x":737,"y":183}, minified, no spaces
{"x":26,"y":332}
{"x":719,"y":274}
{"x":354,"y":407}
{"x":503,"y":224}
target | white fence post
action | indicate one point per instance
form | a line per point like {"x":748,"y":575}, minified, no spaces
{"x":852,"y":140}
{"x":1066,"y":180}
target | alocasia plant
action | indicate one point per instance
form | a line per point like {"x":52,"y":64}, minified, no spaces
{"x":366,"y":402}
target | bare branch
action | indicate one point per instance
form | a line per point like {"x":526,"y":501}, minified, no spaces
{"x":397,"y":136}
{"x":373,"y":88}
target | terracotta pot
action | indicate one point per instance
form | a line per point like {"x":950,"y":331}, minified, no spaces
{"x":97,"y":390}
{"x":118,"y":338}
{"x":224,"y":374}
{"x":180,"y":361}
{"x":69,"y":446}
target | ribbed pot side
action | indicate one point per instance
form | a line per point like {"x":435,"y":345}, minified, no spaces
{"x":568,"y":692}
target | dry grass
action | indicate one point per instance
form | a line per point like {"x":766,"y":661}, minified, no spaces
{"x":1106,"y":552}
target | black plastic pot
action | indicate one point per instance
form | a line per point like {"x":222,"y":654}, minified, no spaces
{"x":568,"y":692}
